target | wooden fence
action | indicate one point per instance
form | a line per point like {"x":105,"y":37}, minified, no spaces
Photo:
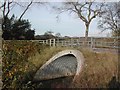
{"x":92,"y":43}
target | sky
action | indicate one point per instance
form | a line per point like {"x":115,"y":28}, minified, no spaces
{"x":44,"y":19}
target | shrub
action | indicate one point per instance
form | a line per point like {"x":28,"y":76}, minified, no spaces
{"x":16,"y":66}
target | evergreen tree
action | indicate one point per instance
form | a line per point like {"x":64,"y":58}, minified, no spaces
{"x":14,"y":29}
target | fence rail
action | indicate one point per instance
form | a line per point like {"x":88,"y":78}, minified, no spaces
{"x":93,"y":43}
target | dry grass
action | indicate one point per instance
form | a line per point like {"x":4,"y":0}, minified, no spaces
{"x":98,"y":70}
{"x":39,"y":59}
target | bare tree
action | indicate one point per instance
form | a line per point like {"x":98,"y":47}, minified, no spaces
{"x":7,"y":5}
{"x":86,"y":11}
{"x":26,"y":9}
{"x":110,"y":19}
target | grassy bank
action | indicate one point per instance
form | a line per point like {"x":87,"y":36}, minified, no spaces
{"x":21,"y":59}
{"x":98,"y":71}
{"x":16,"y":66}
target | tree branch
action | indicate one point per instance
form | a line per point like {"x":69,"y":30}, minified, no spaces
{"x":96,"y":13}
{"x":112,"y":18}
{"x":4,"y":8}
{"x":25,"y":10}
{"x":19,"y":4}
{"x":79,"y":12}
{"x":89,"y":11}
{"x":8,"y":8}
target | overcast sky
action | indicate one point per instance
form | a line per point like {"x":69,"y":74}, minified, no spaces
{"x":44,"y":19}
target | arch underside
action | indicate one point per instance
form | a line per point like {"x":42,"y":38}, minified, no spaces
{"x":65,"y":65}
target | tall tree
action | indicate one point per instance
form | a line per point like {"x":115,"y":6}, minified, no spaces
{"x":49,"y":35}
{"x":6,"y":7}
{"x":86,"y":11}
{"x":30,"y":34}
{"x":17,"y":29}
{"x":110,"y":19}
{"x":6,"y":27}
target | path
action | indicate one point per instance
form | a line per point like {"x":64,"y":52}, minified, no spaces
{"x":105,"y":50}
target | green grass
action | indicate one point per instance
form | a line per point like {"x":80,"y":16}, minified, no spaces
{"x":21,"y":60}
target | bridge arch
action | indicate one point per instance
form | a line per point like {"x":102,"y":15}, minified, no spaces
{"x":73,"y":54}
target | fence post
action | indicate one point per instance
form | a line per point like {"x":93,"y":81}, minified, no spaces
{"x":57,"y":42}
{"x":43,"y":42}
{"x":50,"y":42}
{"x":53,"y":42}
{"x":46,"y":41}
{"x":62,"y":43}
{"x":91,"y":42}
{"x":93,"y":39}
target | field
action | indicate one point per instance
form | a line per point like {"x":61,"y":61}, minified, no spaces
{"x":21,"y":60}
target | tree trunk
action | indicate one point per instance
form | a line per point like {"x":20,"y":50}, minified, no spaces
{"x":86,"y":34}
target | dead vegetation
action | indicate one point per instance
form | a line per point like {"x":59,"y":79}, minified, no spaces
{"x":98,"y":70}
{"x":21,"y":59}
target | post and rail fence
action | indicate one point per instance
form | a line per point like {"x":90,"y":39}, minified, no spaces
{"x":92,"y":42}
